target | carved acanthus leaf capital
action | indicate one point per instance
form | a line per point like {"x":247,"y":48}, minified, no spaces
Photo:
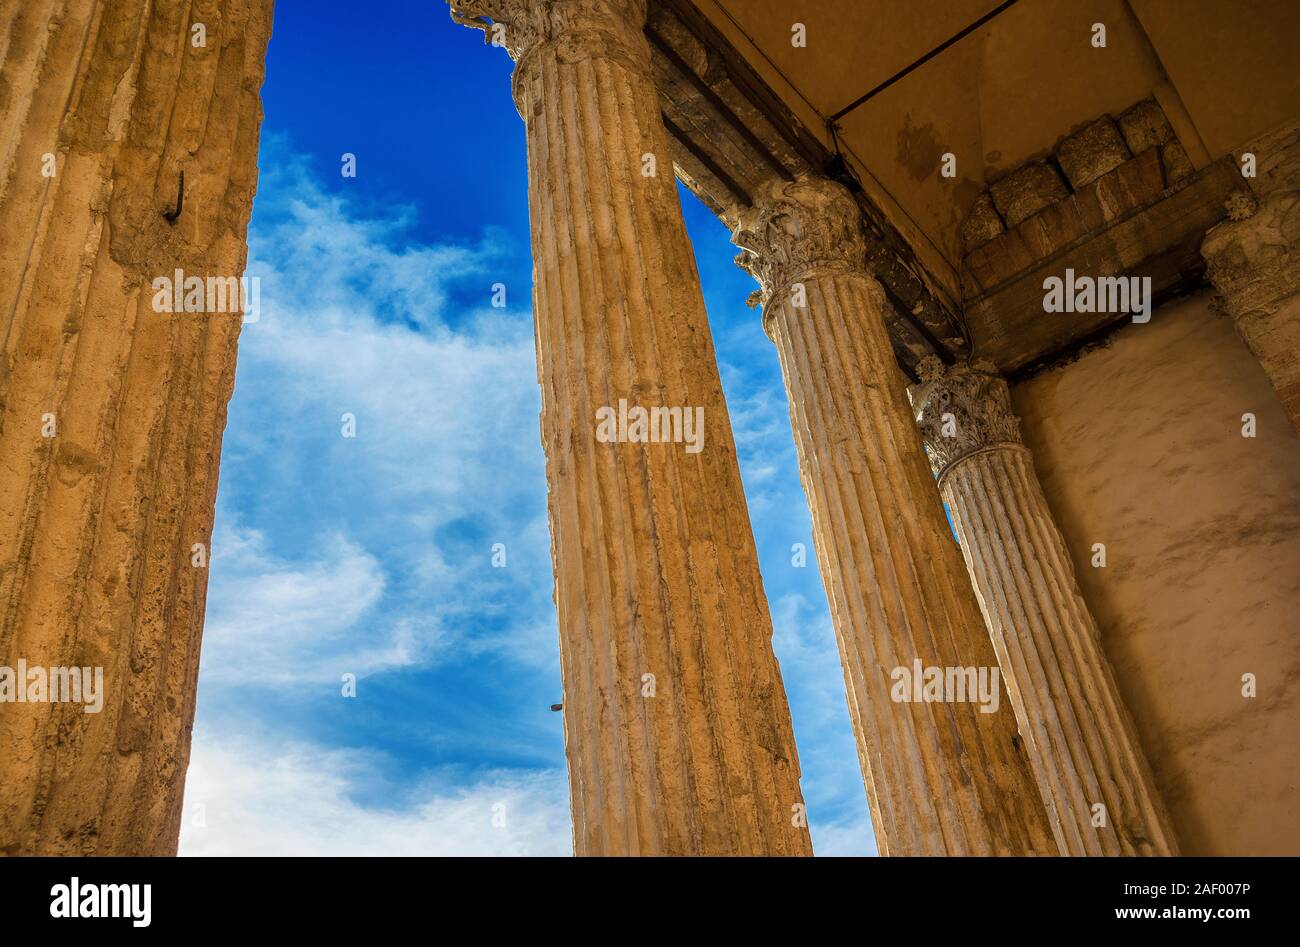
{"x":576,"y":29}
{"x":1254,"y":260}
{"x":797,"y":230}
{"x":962,"y":409}
{"x":1241,"y":204}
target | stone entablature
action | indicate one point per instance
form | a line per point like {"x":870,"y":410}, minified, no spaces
{"x":731,"y":133}
{"x":1117,"y":198}
{"x":1093,"y":177}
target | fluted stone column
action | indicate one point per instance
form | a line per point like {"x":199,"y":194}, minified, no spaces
{"x":943,"y":777}
{"x":1090,"y":768}
{"x":676,"y":725}
{"x":1253,"y":259}
{"x":111,"y":413}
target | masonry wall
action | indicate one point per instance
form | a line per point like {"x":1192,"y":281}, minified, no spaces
{"x":1139,"y":446}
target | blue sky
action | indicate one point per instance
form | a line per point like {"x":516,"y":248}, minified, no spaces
{"x":372,"y":555}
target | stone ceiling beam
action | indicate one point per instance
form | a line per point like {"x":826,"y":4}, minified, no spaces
{"x":734,"y":134}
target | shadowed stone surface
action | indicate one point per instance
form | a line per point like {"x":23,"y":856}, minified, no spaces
{"x":1026,"y":191}
{"x":1088,"y":155}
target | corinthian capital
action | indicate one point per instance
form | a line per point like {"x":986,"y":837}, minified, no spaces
{"x":576,"y":29}
{"x":961,"y":410}
{"x":797,"y":230}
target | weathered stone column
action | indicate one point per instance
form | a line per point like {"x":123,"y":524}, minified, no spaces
{"x":1253,"y":259}
{"x":1081,"y":741}
{"x":676,"y":725}
{"x":942,"y":776}
{"x":111,"y":413}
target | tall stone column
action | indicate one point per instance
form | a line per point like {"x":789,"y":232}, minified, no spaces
{"x":1090,"y":768}
{"x":1253,"y":259}
{"x":676,"y":725}
{"x":111,"y":412}
{"x":943,"y":776}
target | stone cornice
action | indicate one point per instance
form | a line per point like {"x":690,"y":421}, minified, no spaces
{"x":978,"y":401}
{"x":798,"y":230}
{"x":576,"y":30}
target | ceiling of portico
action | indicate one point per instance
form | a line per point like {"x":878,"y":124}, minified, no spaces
{"x":1224,"y":71}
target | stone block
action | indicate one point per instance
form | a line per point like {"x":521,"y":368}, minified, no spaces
{"x":1176,"y":163}
{"x":1061,"y":223}
{"x":1026,"y":191}
{"x":1132,"y":184}
{"x":1145,"y":126}
{"x":1088,"y":154}
{"x":1277,"y":160}
{"x":981,"y":225}
{"x":998,"y":260}
{"x":1160,"y":237}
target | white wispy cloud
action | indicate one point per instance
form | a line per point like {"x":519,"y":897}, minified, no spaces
{"x":372,"y":554}
{"x":245,"y":796}
{"x":271,"y":621}
{"x":444,"y":463}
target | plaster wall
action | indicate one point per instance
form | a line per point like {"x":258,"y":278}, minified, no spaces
{"x":1139,"y":446}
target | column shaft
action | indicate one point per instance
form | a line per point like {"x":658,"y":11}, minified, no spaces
{"x":1081,"y":742}
{"x":942,"y":776}
{"x":111,"y":413}
{"x":1253,"y":259}
{"x":676,"y":725}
